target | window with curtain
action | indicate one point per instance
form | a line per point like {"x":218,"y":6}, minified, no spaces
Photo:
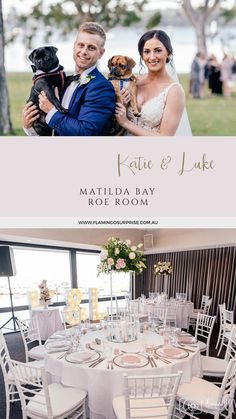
{"x":202,"y":271}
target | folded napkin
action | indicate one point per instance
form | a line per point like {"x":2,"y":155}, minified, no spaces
{"x":171,"y":352}
{"x":82,"y":356}
{"x":133,"y":360}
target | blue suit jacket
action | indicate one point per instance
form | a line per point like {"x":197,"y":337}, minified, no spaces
{"x":91,"y":109}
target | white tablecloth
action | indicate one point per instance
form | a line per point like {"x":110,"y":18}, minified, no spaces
{"x":184,"y":309}
{"x":48,"y":320}
{"x":102,"y":384}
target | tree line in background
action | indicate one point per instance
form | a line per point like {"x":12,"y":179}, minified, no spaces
{"x":107,"y":12}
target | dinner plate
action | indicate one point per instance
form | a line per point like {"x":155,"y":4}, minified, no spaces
{"x":187,"y":340}
{"x":130,"y":360}
{"x":62,"y":334}
{"x":83,"y":357}
{"x":161,"y":329}
{"x":57,"y":345}
{"x":170,"y":352}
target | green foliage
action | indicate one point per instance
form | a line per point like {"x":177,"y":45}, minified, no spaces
{"x":154,"y":21}
{"x":120,"y":256}
{"x":228,"y":14}
{"x":211,"y":116}
{"x":131,"y":18}
{"x":67,"y":15}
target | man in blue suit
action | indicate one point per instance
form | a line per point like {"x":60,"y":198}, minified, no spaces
{"x":90,"y":100}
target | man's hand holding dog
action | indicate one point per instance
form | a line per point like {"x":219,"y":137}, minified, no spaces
{"x":29,"y":115}
{"x":44,"y":104}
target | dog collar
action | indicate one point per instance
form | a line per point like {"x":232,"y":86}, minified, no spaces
{"x":59,"y":71}
{"x":121,"y":81}
{"x":116,"y":78}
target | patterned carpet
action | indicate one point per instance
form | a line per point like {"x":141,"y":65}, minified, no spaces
{"x":16,"y":350}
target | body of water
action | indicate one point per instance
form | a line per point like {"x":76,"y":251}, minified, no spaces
{"x":124,"y":41}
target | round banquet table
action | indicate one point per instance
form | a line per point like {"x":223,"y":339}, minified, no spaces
{"x":184,"y":309}
{"x":48,"y":320}
{"x":104,"y":384}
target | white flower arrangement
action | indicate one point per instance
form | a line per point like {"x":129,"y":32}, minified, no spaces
{"x":117,"y":255}
{"x":44,"y":296}
{"x":162,"y":268}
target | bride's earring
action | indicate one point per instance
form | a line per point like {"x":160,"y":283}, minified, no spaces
{"x":141,"y":66}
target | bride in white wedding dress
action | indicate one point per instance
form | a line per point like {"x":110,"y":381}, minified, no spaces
{"x":160,"y":98}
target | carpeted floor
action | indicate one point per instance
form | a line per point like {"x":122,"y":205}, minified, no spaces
{"x":16,"y":350}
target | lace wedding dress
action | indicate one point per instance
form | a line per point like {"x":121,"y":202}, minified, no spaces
{"x":152,"y":112}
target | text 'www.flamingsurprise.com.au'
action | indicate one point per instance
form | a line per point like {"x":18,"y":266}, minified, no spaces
{"x":117,"y":222}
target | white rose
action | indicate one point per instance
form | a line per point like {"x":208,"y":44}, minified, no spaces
{"x":117,"y":251}
{"x":132,"y":255}
{"x":140,"y":245}
{"x":128,"y":242}
{"x":133,"y":248}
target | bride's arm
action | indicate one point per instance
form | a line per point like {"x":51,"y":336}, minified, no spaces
{"x":173,"y":111}
{"x":171,"y":116}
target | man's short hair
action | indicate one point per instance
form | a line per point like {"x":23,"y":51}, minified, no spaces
{"x":93,"y":28}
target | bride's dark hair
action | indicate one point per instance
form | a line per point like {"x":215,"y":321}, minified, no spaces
{"x":161,"y":36}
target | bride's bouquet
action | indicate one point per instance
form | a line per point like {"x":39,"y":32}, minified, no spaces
{"x":120,"y":256}
{"x":162,"y":268}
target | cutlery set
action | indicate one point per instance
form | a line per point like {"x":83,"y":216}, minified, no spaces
{"x":110,"y":365}
{"x":95,"y":363}
{"x":152,"y":361}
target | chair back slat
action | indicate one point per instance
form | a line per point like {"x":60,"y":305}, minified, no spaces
{"x":205,"y":299}
{"x":204,"y":327}
{"x":150,"y":396}
{"x":231,"y":347}
{"x":71,"y":317}
{"x":30,"y":334}
{"x":228,"y":386}
{"x":207,"y":306}
{"x":31,"y":381}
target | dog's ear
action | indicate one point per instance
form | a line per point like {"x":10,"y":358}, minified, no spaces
{"x":109,"y":64}
{"x":53,"y":49}
{"x":31,"y":56}
{"x":131,"y":63}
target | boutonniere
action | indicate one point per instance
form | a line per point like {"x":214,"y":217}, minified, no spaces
{"x":85,"y":79}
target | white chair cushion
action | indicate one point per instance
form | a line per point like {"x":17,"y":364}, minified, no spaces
{"x":33,"y":363}
{"x":202,"y":345}
{"x":197,"y":310}
{"x":193,"y":316}
{"x":63,"y":399}
{"x":38,"y":352}
{"x":200,"y":393}
{"x":147,"y":407}
{"x":213,"y":365}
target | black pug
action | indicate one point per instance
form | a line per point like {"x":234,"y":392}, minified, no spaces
{"x":48,"y":75}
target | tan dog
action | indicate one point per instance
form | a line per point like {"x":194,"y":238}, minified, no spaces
{"x":121,"y":76}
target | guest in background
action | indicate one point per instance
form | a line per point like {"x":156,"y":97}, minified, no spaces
{"x":214,"y":82}
{"x":226,"y":75}
{"x":197,"y":76}
{"x":234,"y":70}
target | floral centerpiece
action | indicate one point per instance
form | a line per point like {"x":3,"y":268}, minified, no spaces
{"x":44,"y":297}
{"x":162,"y":268}
{"x":120,"y":256}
